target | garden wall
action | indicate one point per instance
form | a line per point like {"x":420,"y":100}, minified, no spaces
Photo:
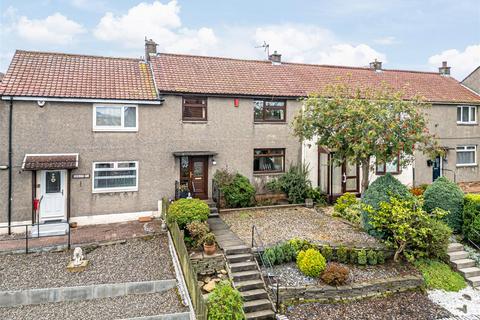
{"x":204,"y":264}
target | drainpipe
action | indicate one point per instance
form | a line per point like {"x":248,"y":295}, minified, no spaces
{"x":10,"y":124}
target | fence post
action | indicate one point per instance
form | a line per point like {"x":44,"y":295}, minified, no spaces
{"x":68,"y":235}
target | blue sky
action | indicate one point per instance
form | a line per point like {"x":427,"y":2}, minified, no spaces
{"x":404,"y":34}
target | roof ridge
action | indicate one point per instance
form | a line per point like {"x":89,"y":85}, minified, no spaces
{"x":76,"y":55}
{"x":290,"y":63}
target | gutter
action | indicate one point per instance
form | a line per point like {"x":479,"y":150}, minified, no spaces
{"x":59,"y":99}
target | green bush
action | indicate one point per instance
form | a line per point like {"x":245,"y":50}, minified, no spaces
{"x":294,"y":183}
{"x":353,"y":256}
{"x":362,"y":257}
{"x":380,"y":257}
{"x":289,"y":253}
{"x":279,"y":254}
{"x":239,"y":193}
{"x":438,"y":275}
{"x":346,"y":200}
{"x":381,"y":190}
{"x":299,"y":244}
{"x":197,"y":231}
{"x":372,"y":257}
{"x":311,"y":262}
{"x":319,"y":197}
{"x":342,"y":254}
{"x":327,"y":252}
{"x":444,"y":194}
{"x":471,"y":217}
{"x":437,"y":239}
{"x":225,"y":302}
{"x":184,"y":211}
{"x":270,"y":255}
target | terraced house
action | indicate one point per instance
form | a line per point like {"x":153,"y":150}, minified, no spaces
{"x":98,"y":139}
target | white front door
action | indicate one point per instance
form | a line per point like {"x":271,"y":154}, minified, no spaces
{"x":52,"y":188}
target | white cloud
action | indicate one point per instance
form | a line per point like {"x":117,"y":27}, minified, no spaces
{"x":386,"y":40}
{"x":462,"y":62}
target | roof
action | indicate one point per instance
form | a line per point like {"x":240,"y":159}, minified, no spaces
{"x":46,"y":74}
{"x":50,"y":161}
{"x":176,"y":73}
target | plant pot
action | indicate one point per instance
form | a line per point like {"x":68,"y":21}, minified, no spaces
{"x":209,"y":249}
{"x":73,"y":224}
{"x":309,"y":203}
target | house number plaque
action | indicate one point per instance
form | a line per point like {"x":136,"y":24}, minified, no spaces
{"x":80,"y":176}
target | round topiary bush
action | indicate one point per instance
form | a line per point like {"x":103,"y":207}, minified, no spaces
{"x":184,"y":211}
{"x":381,"y":190}
{"x":225,"y":302}
{"x":335,"y":274}
{"x":446,"y":195}
{"x":311,"y":262}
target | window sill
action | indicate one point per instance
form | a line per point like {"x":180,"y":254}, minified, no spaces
{"x":384,"y":173}
{"x":115,"y":130}
{"x":194,"y":121}
{"x":269,"y":122}
{"x":115,"y":190}
{"x":466,"y":165}
{"x":467,"y":123}
{"x":275,"y":173}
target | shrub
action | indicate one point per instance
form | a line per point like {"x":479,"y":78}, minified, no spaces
{"x":327,"y":252}
{"x":346,"y":200}
{"x":239,"y":193}
{"x":299,"y":244}
{"x":319,"y":197}
{"x":348,"y":208}
{"x":197,"y":231}
{"x":471,"y":220}
{"x":184,"y":211}
{"x":438,"y":275}
{"x":380,"y":257}
{"x":294,"y":183}
{"x":335,"y":274}
{"x":311,"y":262}
{"x":279,"y":254}
{"x":372,"y":257}
{"x":437,"y":239}
{"x":416,"y":191}
{"x":362,"y":257}
{"x":225,"y":302}
{"x":209,"y":239}
{"x":223,"y":177}
{"x":353,"y":256}
{"x":269,"y":255}
{"x":381,"y":190}
{"x":342,"y":254}
{"x":444,"y":194}
{"x":289,"y":253}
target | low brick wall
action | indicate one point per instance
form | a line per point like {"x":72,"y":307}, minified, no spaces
{"x":352,"y":291}
{"x":205,"y":265}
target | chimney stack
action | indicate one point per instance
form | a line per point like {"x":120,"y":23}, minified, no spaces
{"x":444,"y":70}
{"x":376,"y":65}
{"x":275,"y":58}
{"x":150,"y":48}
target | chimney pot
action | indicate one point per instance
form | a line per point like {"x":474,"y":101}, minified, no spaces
{"x":444,"y":70}
{"x":150,"y":48}
{"x":275,"y":58}
{"x":376,"y":65}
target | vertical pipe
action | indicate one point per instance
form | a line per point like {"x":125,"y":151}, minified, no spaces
{"x":10,"y":130}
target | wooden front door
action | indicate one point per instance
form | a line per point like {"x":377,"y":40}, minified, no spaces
{"x":198,"y":177}
{"x":350,"y":177}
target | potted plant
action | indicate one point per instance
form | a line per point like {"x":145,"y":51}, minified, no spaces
{"x":209,"y":246}
{"x":183,"y":191}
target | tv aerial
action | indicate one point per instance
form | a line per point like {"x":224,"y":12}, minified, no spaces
{"x":266,"y":48}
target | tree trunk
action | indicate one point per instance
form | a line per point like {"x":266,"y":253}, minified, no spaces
{"x":400,"y":249}
{"x":365,"y":173}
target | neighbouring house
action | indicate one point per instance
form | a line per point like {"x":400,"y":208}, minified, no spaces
{"x":472,"y":81}
{"x":101,"y":139}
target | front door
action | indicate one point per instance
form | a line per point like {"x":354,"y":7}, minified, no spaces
{"x":194,"y":173}
{"x":437,"y":168}
{"x":53,"y":195}
{"x":350,"y":177}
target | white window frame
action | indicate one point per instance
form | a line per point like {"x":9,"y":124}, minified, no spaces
{"x":122,"y":125}
{"x":469,"y":114}
{"x":115,"y":168}
{"x":464,"y":147}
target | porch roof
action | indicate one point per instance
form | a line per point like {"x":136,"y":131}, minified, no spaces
{"x":194,"y":153}
{"x":50,"y":161}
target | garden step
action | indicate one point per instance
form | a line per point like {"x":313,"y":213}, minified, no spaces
{"x":237,"y":249}
{"x":470,"y":272}
{"x":239,"y":257}
{"x":213,"y":210}
{"x":474,"y":281}
{"x":249,"y":285}
{"x":257,"y":305}
{"x":254,"y":294}
{"x":260,"y":315}
{"x":453,"y":247}
{"x":464,"y":263}
{"x":213,"y":215}
{"x":246,"y":275}
{"x":458,"y":255}
{"x":243,"y":266}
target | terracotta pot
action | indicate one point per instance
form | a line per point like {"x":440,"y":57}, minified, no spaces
{"x":209,"y":249}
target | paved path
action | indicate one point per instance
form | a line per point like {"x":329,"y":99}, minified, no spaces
{"x":224,"y":236}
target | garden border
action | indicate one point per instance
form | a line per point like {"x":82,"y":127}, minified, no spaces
{"x":278,"y":206}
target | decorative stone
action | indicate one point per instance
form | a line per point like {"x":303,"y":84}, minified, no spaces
{"x":207,"y":279}
{"x":145,"y":219}
{"x":223,"y":271}
{"x":200,"y":283}
{"x":209,"y":286}
{"x":77,"y":268}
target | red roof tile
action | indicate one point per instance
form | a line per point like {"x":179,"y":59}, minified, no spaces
{"x":43,"y":74}
{"x":213,"y":75}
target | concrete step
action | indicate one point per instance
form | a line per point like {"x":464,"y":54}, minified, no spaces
{"x":213,"y":210}
{"x":463,"y":263}
{"x":260,"y":315}
{"x":237,"y":249}
{"x":243,"y":266}
{"x":458,"y":255}
{"x":49,"y":229}
{"x":474,"y":281}
{"x":234,"y":258}
{"x":246,"y":275}
{"x":213,"y":215}
{"x":257,"y":305}
{"x":255,"y":294}
{"x":453,"y":247}
{"x":247,"y":285}
{"x":470,"y":272}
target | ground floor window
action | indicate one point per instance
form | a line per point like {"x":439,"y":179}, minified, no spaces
{"x":268,"y":160}
{"x":392,"y":167}
{"x":466,"y":156}
{"x":116,"y":176}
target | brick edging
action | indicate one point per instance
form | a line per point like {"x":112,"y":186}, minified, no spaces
{"x":78,"y":293}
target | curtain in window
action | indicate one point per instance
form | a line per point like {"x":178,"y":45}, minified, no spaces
{"x":465,"y":157}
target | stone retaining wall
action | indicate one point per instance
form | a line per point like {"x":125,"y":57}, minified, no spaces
{"x":205,"y":265}
{"x":47,"y":295}
{"x":352,"y":291}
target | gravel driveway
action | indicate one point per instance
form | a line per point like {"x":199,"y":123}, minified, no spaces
{"x":134,"y":260}
{"x":285,"y":223}
{"x":400,"y":306}
{"x":135,"y":305}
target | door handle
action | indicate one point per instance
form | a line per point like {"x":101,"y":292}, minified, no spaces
{"x":344,"y":178}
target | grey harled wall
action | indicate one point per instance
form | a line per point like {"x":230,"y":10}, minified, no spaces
{"x":67,"y":128}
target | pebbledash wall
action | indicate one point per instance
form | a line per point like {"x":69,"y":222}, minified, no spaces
{"x":67,"y":128}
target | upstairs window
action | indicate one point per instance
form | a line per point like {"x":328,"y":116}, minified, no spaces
{"x":269,"y":110}
{"x":194,"y":109}
{"x":392,"y":167}
{"x":466,"y":156}
{"x":467,"y":115}
{"x":115,"y":176}
{"x":115,"y":118}
{"x":268,"y":160}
